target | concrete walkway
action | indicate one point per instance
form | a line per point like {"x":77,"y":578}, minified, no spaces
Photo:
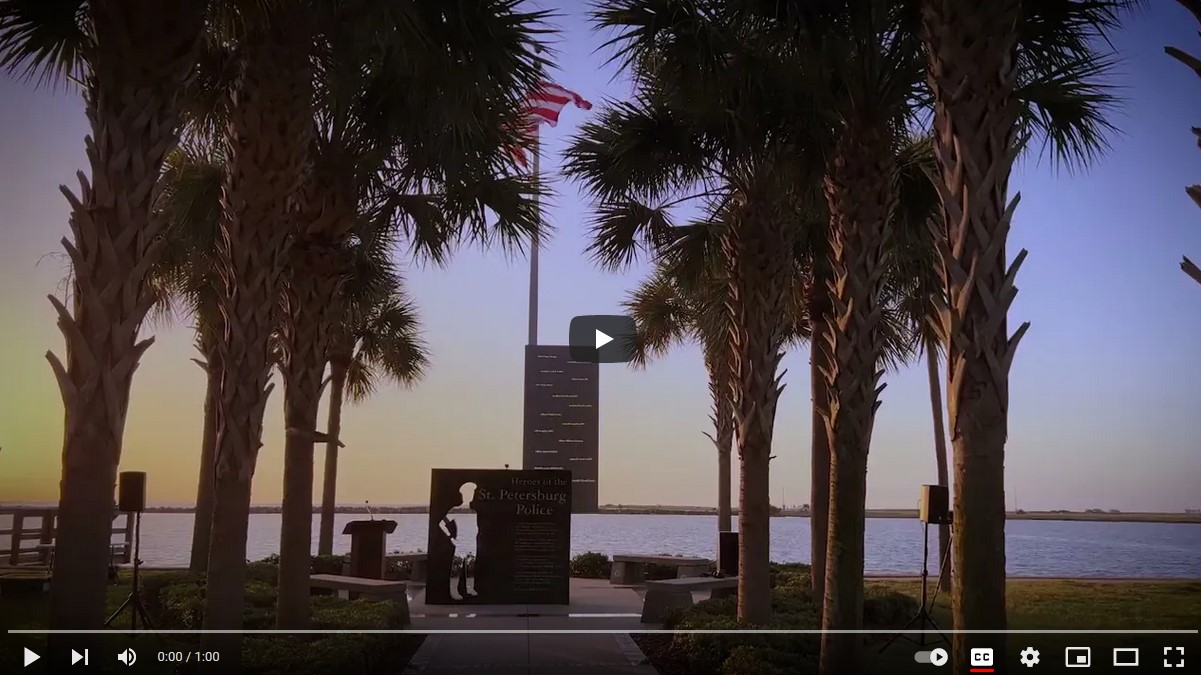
{"x":595,"y":606}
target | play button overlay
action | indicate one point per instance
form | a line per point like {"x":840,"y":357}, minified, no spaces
{"x":30,"y":656}
{"x":602,"y":338}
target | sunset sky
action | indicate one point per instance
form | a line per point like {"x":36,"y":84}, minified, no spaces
{"x":1106,"y":387}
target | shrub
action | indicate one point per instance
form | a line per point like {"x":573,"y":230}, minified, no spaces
{"x":887,"y":609}
{"x":398,"y":570}
{"x":790,"y":609}
{"x":327,"y":564}
{"x":793,"y":608}
{"x":178,"y":605}
{"x":747,"y":660}
{"x":362,"y":614}
{"x":264,"y":570}
{"x":591,"y":565}
{"x":709,"y":652}
{"x":369,"y":654}
{"x":790,"y":575}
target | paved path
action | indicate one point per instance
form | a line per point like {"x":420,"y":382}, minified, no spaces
{"x":595,"y":606}
{"x":529,"y":654}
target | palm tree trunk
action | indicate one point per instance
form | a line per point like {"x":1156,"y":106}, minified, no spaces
{"x":819,"y":483}
{"x":725,"y":519}
{"x":143,"y":55}
{"x":329,"y":482}
{"x":759,"y":272}
{"x":202,"y":520}
{"x":723,"y":435}
{"x":267,"y":134}
{"x":311,"y":302}
{"x":971,"y":63}
{"x":302,"y":392}
{"x":940,"y":456}
{"x":860,"y":195}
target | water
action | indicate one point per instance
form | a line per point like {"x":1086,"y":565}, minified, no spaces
{"x":894,"y":545}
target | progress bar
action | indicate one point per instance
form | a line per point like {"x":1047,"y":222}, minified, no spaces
{"x":611,"y":631}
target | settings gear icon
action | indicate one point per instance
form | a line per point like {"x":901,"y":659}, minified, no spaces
{"x":1029,"y":657}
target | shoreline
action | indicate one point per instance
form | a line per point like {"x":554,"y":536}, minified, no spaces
{"x":640,"y":510}
{"x":870,"y":576}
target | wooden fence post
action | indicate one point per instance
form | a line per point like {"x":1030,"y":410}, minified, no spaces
{"x":47,"y":537}
{"x":14,"y":554}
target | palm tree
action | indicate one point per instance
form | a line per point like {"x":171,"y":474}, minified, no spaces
{"x":266,"y":137}
{"x":914,"y":279}
{"x":190,"y":207}
{"x":999,"y":73}
{"x":1188,"y":266}
{"x":695,"y":131}
{"x":865,"y":89}
{"x":670,"y":308}
{"x":409,"y":105}
{"x":378,"y":338}
{"x":131,"y":61}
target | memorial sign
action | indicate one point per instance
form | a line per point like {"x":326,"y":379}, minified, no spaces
{"x":522,"y":541}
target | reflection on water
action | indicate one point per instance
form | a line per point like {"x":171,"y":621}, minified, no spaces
{"x":894,"y":545}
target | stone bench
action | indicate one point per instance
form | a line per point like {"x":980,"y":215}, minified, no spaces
{"x":417,"y":559}
{"x":383,"y":589}
{"x":631,"y":568}
{"x":668,"y":594}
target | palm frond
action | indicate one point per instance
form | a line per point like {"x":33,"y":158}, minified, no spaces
{"x":638,"y":148}
{"x":189,"y":204}
{"x":621,"y":230}
{"x":360,"y":381}
{"x":1064,"y":58}
{"x":389,"y":344}
{"x":1067,"y":109}
{"x":45,"y":40}
{"x":663,"y":318}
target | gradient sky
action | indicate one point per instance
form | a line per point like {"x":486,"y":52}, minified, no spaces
{"x":1105,"y":389}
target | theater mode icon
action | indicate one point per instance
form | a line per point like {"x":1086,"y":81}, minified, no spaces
{"x":1125,"y":657}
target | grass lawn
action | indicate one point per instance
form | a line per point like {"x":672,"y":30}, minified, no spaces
{"x":1037,"y":605}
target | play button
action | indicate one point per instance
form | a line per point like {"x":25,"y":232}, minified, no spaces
{"x":30,"y":656}
{"x":602,"y":338}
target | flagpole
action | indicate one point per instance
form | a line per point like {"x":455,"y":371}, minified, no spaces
{"x":533,"y":339}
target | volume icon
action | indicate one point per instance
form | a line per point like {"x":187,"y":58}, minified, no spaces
{"x":128,"y":657}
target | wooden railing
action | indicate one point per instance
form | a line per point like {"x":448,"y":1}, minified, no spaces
{"x":31,"y":536}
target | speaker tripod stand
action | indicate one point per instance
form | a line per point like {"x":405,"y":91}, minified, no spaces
{"x":923,"y":617}
{"x":133,"y":603}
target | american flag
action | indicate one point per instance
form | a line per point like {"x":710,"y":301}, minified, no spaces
{"x":543,"y":107}
{"x":548,"y":101}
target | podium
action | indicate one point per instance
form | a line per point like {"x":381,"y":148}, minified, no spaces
{"x":727,"y":553}
{"x":368,"y":540}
